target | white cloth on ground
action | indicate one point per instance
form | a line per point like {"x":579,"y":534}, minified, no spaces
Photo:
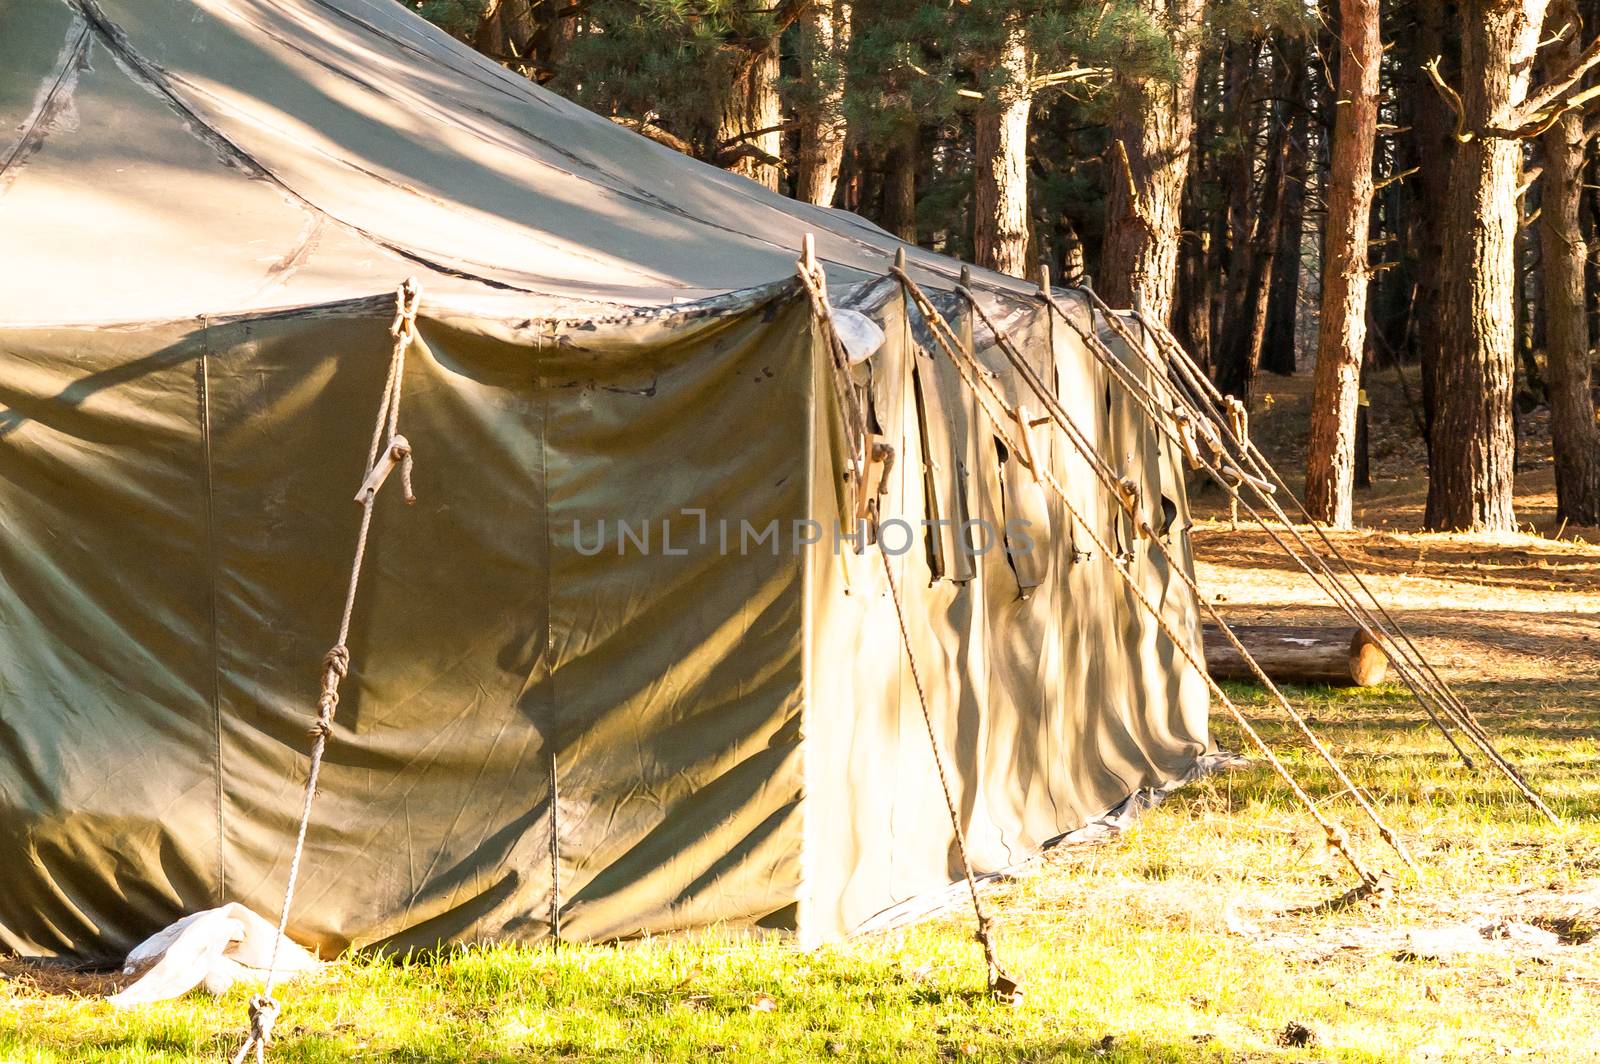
{"x":214,"y":948}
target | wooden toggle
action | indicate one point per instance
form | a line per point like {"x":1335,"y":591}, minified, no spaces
{"x":875,"y":477}
{"x":397,"y":452}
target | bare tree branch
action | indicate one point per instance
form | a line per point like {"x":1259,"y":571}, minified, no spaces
{"x":1063,"y":77}
{"x":1452,"y":98}
{"x":649,"y":129}
{"x":1550,"y":96}
{"x":1395,"y":179}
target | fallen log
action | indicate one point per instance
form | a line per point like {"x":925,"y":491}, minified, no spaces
{"x":1343,"y":657}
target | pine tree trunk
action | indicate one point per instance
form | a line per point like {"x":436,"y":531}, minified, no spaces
{"x":1436,"y":159}
{"x":900,"y":185}
{"x":1151,"y":126}
{"x":531,"y":36}
{"x":1000,"y":207}
{"x":1574,"y":434}
{"x":1473,"y":452}
{"x":1342,"y":336}
{"x":1283,"y":302}
{"x":1235,"y":373}
{"x":824,"y":33}
{"x":503,"y":28}
{"x":1247,"y":328}
{"x":749,"y":141}
{"x":1591,"y":230}
{"x":1432,"y":123}
{"x":1194,"y":299}
{"x":1074,"y":266}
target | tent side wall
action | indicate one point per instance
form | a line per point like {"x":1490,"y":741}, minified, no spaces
{"x":1172,"y":694}
{"x":1029,"y":646}
{"x":108,"y":785}
{"x":178,"y":517}
{"x":677,"y":675}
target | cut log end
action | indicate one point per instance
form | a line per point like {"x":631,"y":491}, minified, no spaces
{"x":1342,"y":657}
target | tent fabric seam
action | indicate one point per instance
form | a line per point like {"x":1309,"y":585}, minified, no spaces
{"x":213,"y":576}
{"x":726,"y":303}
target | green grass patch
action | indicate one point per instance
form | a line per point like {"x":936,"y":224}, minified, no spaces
{"x":1189,"y":939}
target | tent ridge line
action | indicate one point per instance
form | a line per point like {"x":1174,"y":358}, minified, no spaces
{"x":627,"y":190}
{"x":385,"y":35}
{"x":630,"y":190}
{"x":34,"y":131}
{"x":154,"y":78}
{"x":162,"y":80}
{"x":731,"y":301}
{"x":401,"y":186}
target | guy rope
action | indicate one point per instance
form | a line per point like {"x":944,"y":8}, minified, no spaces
{"x":1198,"y":399}
{"x":1129,"y":502}
{"x":389,"y":451}
{"x":1181,"y":412}
{"x":1400,"y":642}
{"x":1001,"y":415}
{"x":1002,"y":986}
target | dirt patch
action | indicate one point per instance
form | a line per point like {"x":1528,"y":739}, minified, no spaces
{"x":1520,"y":606}
{"x":1548,"y":926}
{"x":47,"y":978}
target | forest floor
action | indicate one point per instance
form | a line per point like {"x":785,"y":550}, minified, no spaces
{"x":1199,"y":934}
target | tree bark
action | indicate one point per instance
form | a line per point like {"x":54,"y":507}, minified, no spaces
{"x":824,"y":33}
{"x":1344,"y":657}
{"x":1194,"y":300}
{"x":1283,"y":302}
{"x":1151,"y":127}
{"x":1342,"y":336}
{"x":900,"y":185}
{"x":503,"y":28}
{"x":1473,"y":452}
{"x":1246,"y":332}
{"x":1434,"y":37}
{"x":1574,"y":435}
{"x":1234,"y":373}
{"x":1591,"y":230}
{"x":1000,"y":207}
{"x":528,"y":35}
{"x":749,"y":140}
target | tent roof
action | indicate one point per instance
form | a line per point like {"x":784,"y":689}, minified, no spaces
{"x":163,"y":159}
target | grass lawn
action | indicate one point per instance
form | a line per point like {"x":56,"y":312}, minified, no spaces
{"x":1180,"y":941}
{"x":1198,"y":935}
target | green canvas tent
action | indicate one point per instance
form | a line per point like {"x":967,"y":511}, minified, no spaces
{"x":594,"y":693}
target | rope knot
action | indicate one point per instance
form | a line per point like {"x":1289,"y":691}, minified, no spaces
{"x":336,"y":662}
{"x":407,"y":296}
{"x":321,"y":728}
{"x":263,"y":1014}
{"x":400,"y":450}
